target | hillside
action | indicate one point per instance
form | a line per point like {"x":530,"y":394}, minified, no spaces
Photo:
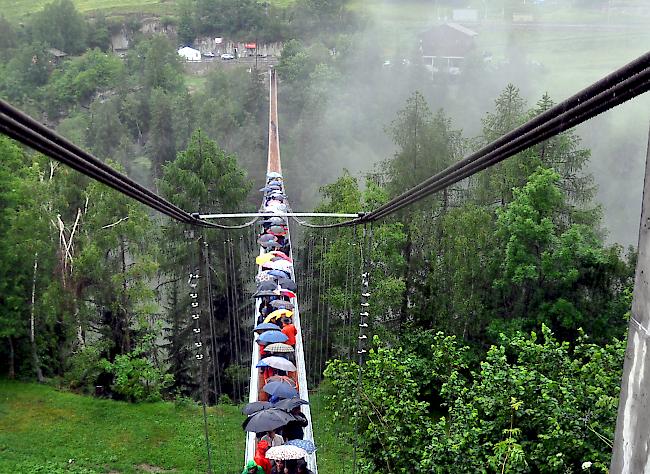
{"x":45,"y":430}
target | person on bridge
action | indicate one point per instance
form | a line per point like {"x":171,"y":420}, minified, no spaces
{"x":252,"y":468}
{"x":260,"y":456}
{"x":273,"y":438}
{"x":294,"y":429}
{"x":279,"y":468}
{"x":290,"y":331}
{"x":301,"y":468}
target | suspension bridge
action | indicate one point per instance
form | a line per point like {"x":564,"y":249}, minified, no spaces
{"x":631,"y":453}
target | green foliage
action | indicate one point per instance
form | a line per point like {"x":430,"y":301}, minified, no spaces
{"x":86,"y":365}
{"x":137,"y":379}
{"x":79,"y":79}
{"x":531,"y":405}
{"x":61,"y":26}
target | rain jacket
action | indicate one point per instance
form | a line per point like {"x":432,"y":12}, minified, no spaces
{"x":290,"y":331}
{"x":250,"y":465}
{"x":260,"y":457}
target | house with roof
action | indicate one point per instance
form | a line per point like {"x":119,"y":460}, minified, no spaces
{"x":445,"y":47}
{"x":190,"y":54}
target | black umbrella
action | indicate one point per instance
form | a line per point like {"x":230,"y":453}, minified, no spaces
{"x":258,"y":294}
{"x":289,"y":404}
{"x":267,"y":286}
{"x":255,"y":407}
{"x":266,"y":420}
{"x":288,"y":284}
{"x":282,"y":304}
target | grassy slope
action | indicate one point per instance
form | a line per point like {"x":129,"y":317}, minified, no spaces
{"x":21,"y":9}
{"x":41,"y":429}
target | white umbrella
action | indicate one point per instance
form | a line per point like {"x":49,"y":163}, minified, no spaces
{"x":279,"y":363}
{"x":286,"y":452}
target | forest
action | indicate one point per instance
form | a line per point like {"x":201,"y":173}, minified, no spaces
{"x":498,"y":309}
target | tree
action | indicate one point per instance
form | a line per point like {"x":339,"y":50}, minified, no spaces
{"x":161,"y":67}
{"x":547,"y":270}
{"x":161,"y":146}
{"x":202,"y":178}
{"x":61,"y":26}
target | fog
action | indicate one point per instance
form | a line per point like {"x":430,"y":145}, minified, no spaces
{"x":348,"y":130}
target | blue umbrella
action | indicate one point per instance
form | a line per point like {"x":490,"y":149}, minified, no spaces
{"x":280,"y":390}
{"x":304,"y":444}
{"x":266,"y":326}
{"x":261,"y":364}
{"x":273,"y":174}
{"x":271,"y":337}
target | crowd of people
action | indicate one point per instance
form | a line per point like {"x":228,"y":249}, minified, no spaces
{"x":276,"y":417}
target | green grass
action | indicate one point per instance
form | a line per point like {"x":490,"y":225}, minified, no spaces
{"x":21,"y":9}
{"x":42,"y":429}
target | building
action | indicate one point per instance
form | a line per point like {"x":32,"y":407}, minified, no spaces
{"x":56,"y":55}
{"x":190,"y":54}
{"x":445,"y":47}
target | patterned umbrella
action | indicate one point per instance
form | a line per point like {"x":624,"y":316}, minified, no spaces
{"x":279,"y":347}
{"x":304,"y":444}
{"x":264,"y":276}
{"x":286,"y":452}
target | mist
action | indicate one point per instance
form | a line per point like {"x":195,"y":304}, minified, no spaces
{"x":381,"y":67}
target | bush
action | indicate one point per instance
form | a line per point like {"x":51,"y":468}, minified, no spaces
{"x":136,"y":378}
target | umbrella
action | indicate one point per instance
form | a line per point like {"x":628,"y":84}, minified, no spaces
{"x":273,"y":174}
{"x":283,"y":379}
{"x":279,"y":347}
{"x":265,"y":237}
{"x":261,"y":364}
{"x":286,"y":452}
{"x":266,"y":420}
{"x":305,"y":444}
{"x":265,"y":257}
{"x":254,"y":407}
{"x":277,"y":230}
{"x":271,"y":337}
{"x":290,"y":403}
{"x":275,"y":220}
{"x":259,"y":294}
{"x":278,"y":273}
{"x":281,"y":313}
{"x":279,"y":265}
{"x":266,"y":327}
{"x":281,"y":304}
{"x":271,"y":244}
{"x":282,"y":255}
{"x":264,"y":276}
{"x":280,"y":390}
{"x":287,"y":284}
{"x":287,"y":293}
{"x":270,"y":318}
{"x":279,"y":362}
{"x":267,"y":285}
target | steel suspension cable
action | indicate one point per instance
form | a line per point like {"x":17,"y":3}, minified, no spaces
{"x":213,"y":342}
{"x":481,"y":160}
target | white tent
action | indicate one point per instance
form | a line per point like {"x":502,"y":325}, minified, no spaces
{"x":190,"y":54}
